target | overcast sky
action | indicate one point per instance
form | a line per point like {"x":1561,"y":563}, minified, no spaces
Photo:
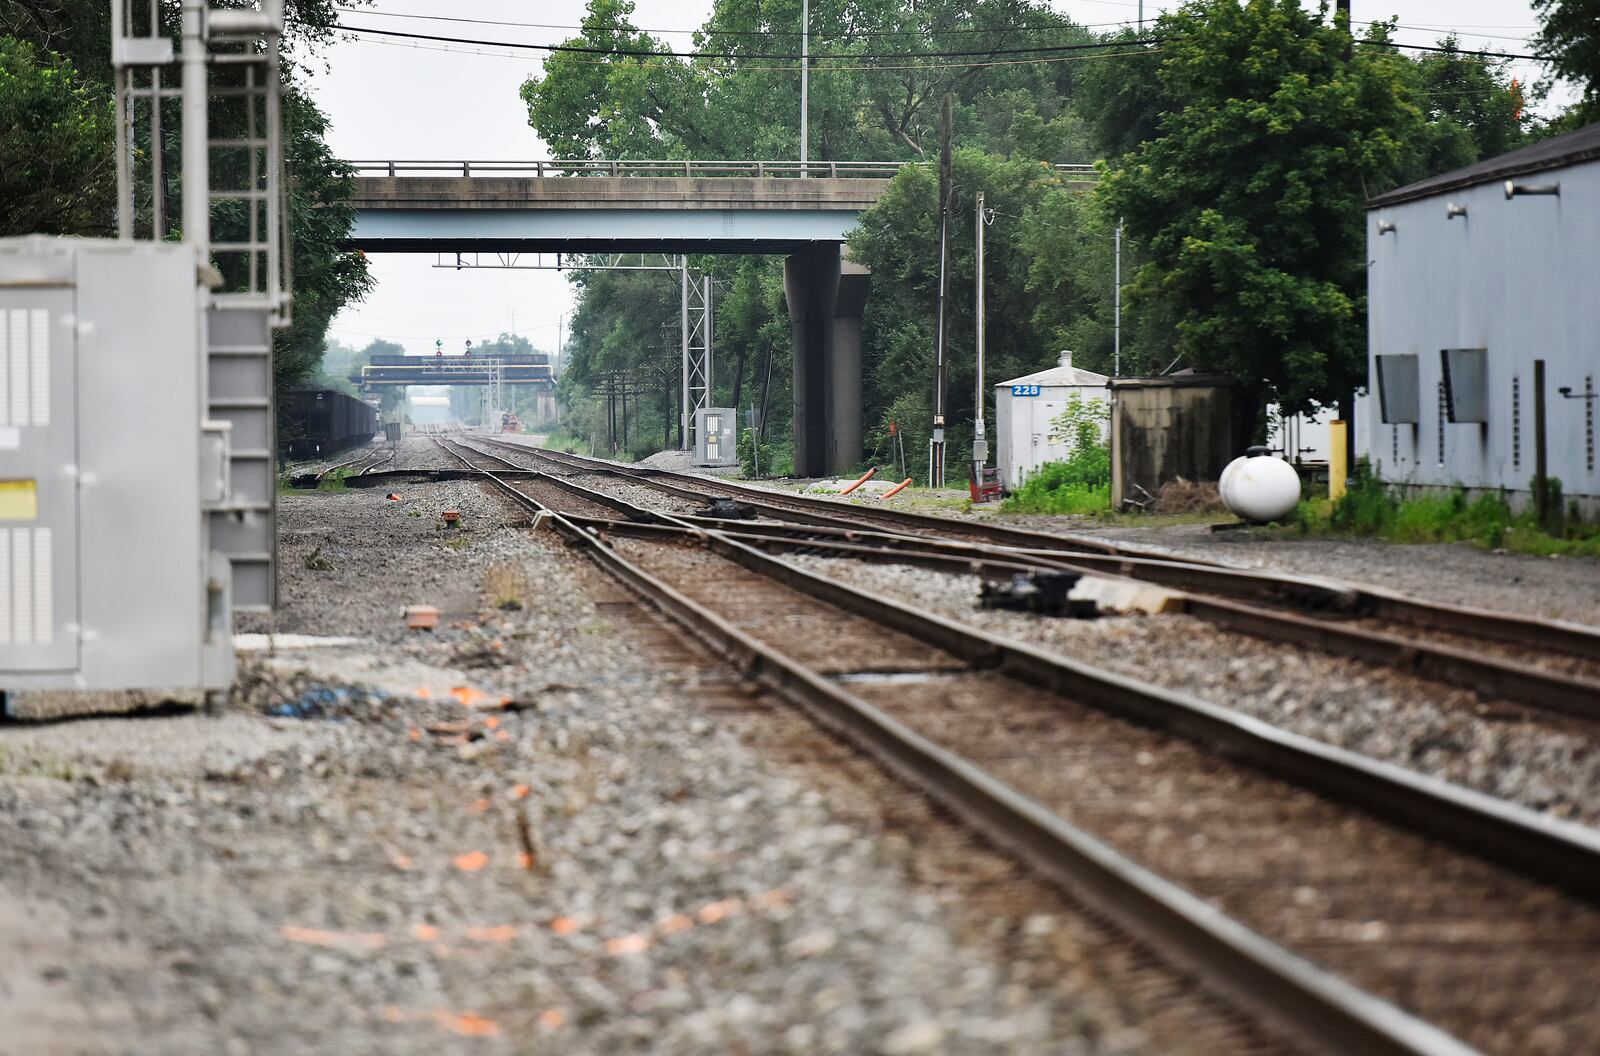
{"x":399,"y":101}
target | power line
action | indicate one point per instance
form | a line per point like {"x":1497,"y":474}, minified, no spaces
{"x":788,"y":56}
{"x":480,"y":52}
{"x":1043,"y":51}
{"x":719,"y":32}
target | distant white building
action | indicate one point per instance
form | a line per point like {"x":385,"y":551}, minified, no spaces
{"x":1024,"y":412}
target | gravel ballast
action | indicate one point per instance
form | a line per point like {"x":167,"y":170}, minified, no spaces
{"x":541,"y":828}
{"x":1539,"y":760}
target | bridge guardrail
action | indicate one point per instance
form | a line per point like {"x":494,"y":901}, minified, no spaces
{"x":581,"y":167}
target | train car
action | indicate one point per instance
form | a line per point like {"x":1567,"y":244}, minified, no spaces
{"x":323,"y":422}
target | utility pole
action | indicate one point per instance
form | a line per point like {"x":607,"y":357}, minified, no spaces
{"x":1116,"y":299}
{"x":980,"y":442}
{"x":936,"y":445}
{"x":805,"y":84}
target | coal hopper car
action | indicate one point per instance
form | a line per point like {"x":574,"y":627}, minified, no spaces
{"x":321,"y":422}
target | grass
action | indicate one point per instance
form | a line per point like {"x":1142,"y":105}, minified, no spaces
{"x":1079,"y":486}
{"x":1370,"y":509}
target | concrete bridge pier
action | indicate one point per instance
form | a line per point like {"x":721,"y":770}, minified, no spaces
{"x":826,"y":296}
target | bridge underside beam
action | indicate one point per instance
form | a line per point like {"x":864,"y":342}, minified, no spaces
{"x":378,"y":377}
{"x":398,"y":230}
{"x":825,"y":296}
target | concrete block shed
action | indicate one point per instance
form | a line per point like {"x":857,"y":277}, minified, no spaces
{"x":1482,"y":281}
{"x":1024,"y":409}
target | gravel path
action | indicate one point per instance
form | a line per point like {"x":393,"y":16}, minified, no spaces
{"x":1542,"y":761}
{"x":615,"y":848}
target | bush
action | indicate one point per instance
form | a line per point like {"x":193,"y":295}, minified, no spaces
{"x":1082,"y":482}
{"x":749,"y":464}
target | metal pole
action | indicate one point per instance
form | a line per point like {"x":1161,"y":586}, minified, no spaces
{"x":710,"y":397}
{"x":980,"y":441}
{"x":805,"y":84}
{"x":936,"y":442}
{"x":196,"y":168}
{"x":683,"y":419}
{"x":1116,"y":297}
{"x":120,"y":82}
{"x":1541,"y":481}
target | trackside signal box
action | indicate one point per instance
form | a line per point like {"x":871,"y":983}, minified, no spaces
{"x":110,"y":471}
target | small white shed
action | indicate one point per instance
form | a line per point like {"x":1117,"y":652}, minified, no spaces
{"x":1024,"y":408}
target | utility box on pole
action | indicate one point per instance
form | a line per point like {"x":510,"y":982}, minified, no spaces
{"x":109,"y":471}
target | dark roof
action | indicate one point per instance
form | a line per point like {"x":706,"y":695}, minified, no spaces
{"x":1580,"y":145}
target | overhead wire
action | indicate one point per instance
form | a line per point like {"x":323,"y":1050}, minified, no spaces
{"x":741,"y":68}
{"x":720,"y":32}
{"x":1042,"y":53}
{"x":741,"y":56}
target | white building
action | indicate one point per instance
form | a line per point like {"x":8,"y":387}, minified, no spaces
{"x":1024,"y":412}
{"x":1482,"y":283}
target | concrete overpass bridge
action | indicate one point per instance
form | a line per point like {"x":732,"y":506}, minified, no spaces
{"x":801,"y":211}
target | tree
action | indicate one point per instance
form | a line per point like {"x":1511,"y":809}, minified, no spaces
{"x":56,"y":170}
{"x":1250,"y":201}
{"x":1570,"y":39}
{"x":1471,"y":108}
{"x":62,"y":177}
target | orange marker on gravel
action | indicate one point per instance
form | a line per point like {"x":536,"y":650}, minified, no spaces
{"x":467,"y":1024}
{"x":674,"y":924}
{"x":627,"y":945}
{"x":552,"y":1019}
{"x":563,"y":925}
{"x":471,"y":862}
{"x":897,"y":489}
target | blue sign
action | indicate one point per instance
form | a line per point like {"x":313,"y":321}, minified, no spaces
{"x":1024,"y":390}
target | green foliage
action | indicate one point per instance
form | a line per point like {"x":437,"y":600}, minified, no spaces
{"x":1061,"y":487}
{"x":1372,"y":509}
{"x":1082,"y":482}
{"x":326,"y":277}
{"x":1570,"y":38}
{"x":1250,"y":201}
{"x":749,"y":464}
{"x":57,"y":174}
{"x":57,"y":170}
{"x":1241,"y":152}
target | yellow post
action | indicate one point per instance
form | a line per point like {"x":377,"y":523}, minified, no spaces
{"x":1338,"y":465}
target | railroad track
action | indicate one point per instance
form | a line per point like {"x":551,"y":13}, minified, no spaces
{"x":1547,"y":665}
{"x":1356,"y":905}
{"x":823,"y":512}
{"x":359,"y":465}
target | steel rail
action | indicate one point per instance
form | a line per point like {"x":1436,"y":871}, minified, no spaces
{"x":1571,"y":639}
{"x":823,"y":512}
{"x":1485,"y":675}
{"x":1230,"y":959}
{"x":1560,"y":852}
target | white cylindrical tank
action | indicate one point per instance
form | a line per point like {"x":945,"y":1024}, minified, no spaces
{"x":1260,"y":488}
